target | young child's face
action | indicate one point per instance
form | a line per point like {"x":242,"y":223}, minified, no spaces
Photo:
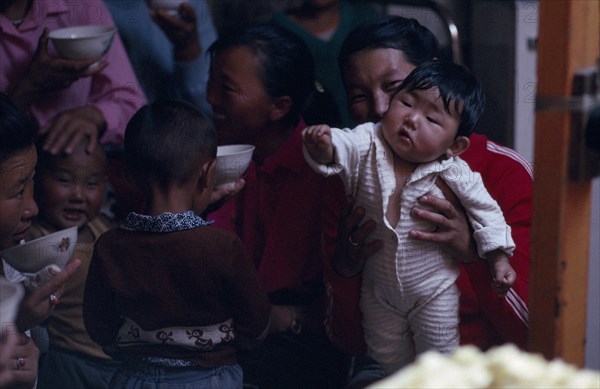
{"x":17,"y":207}
{"x":417,"y":126}
{"x":70,"y":190}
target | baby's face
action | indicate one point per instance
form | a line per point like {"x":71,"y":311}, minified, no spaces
{"x":70,"y":190}
{"x":417,"y":126}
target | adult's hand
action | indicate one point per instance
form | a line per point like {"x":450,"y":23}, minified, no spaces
{"x":67,"y":129}
{"x":37,"y":305}
{"x":181,"y":30}
{"x":18,"y":360}
{"x":46,"y":74}
{"x":352,"y":248}
{"x":452,"y":230}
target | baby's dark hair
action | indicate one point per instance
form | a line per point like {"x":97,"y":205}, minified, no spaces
{"x":165,"y":141}
{"x":287,"y":64}
{"x":391,"y":32}
{"x":17,"y":130}
{"x":456,"y":84}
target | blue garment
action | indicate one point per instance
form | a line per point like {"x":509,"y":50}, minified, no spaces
{"x":151,"y":52}
{"x":61,"y":368}
{"x":165,"y":222}
{"x":136,"y":375}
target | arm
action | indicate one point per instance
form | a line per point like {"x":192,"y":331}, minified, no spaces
{"x":509,"y":180}
{"x":191,"y":33}
{"x":115,"y":91}
{"x":318,"y":142}
{"x":485,"y":216}
{"x":36,"y":306}
{"x":46,"y":74}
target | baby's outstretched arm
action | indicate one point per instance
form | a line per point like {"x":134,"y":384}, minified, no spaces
{"x":502,"y":272}
{"x":317,"y":140}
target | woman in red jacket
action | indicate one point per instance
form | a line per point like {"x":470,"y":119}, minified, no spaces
{"x":374,"y":60}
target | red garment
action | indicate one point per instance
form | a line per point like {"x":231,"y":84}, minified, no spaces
{"x":277,"y":218}
{"x":485,"y":319}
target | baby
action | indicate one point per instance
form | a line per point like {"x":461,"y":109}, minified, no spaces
{"x":408,"y":297}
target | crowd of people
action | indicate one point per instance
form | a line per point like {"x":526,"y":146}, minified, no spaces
{"x":287,"y":277}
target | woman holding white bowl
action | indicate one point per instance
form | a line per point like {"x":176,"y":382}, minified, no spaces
{"x":19,"y":356}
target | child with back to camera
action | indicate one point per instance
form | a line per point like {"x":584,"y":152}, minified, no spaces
{"x":170,"y":295}
{"x":408,"y":296}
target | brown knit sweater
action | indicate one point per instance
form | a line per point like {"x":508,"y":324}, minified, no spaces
{"x":194,"y":277}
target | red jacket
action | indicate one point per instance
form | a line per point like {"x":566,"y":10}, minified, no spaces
{"x":485,"y":319}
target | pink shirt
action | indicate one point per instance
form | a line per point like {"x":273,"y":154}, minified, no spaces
{"x":114,"y":91}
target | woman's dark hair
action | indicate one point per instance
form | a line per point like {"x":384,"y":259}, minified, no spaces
{"x":456,"y":84}
{"x":17,"y":131}
{"x":287,"y":64}
{"x":165,"y":141}
{"x":391,"y":32}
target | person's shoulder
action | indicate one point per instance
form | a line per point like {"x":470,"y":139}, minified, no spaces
{"x":213,"y":235}
{"x":484,"y":154}
{"x":361,"y":11}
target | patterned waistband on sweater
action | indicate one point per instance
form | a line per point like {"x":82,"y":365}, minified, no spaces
{"x":166,"y":362}
{"x":193,"y":338}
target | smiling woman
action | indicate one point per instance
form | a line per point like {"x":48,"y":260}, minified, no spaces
{"x":260,"y":79}
{"x":19,"y":356}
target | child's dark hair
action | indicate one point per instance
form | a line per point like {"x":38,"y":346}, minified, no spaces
{"x":165,"y":141}
{"x":391,"y":32}
{"x":287,"y":65}
{"x":456,"y":84}
{"x":17,"y":130}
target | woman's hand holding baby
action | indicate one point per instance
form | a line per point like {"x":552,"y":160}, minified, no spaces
{"x":452,"y":229}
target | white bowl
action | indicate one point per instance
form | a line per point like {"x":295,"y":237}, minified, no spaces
{"x":10,"y":299}
{"x":83,"y":42}
{"x":232,"y":162}
{"x":52,"y":249}
{"x":172,"y":6}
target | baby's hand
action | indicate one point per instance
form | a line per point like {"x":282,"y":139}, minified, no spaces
{"x":317,"y":140}
{"x":504,"y":275}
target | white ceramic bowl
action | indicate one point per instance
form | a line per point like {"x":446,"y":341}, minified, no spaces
{"x":33,"y":256}
{"x":10,"y":298}
{"x":169,"y":5}
{"x":83,"y":42}
{"x":232,"y":162}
